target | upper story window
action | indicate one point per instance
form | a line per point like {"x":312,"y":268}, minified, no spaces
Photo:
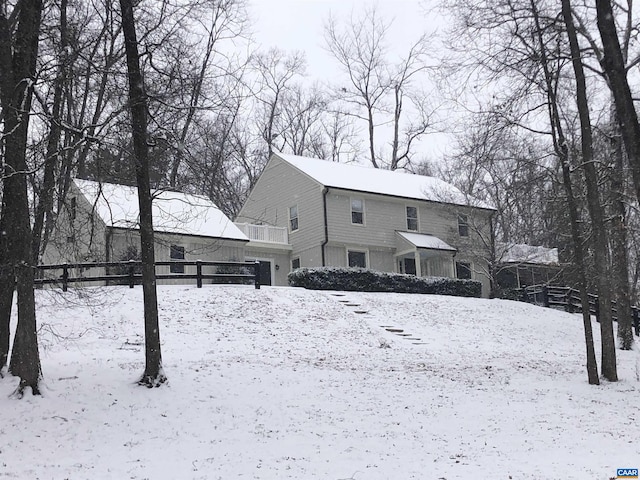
{"x":412,"y":219}
{"x":463,"y":225}
{"x":293,"y":218}
{"x":176,"y":252}
{"x":357,"y":211}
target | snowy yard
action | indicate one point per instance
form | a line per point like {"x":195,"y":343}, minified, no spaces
{"x":287,"y":383}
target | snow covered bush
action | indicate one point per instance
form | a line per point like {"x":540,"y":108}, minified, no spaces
{"x":364,"y":280}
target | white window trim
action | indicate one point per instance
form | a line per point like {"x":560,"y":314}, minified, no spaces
{"x":406,"y":218}
{"x":358,"y":250}
{"x":297,"y":218}
{"x":465,"y":223}
{"x":364,"y":216}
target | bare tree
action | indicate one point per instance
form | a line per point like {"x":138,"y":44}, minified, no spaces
{"x":376,"y":90}
{"x":596,"y":210}
{"x":18,"y":54}
{"x":153,"y":375}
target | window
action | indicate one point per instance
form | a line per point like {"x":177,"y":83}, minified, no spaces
{"x":295,"y":263}
{"x":357,"y":211}
{"x":357,"y":259}
{"x":463,"y":270}
{"x":176,"y":252}
{"x":412,"y":219}
{"x":293,"y":218}
{"x":463,"y":225}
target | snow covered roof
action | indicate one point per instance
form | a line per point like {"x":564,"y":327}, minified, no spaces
{"x":173,"y":212}
{"x":430,"y":242}
{"x":522,"y":253}
{"x":385,"y":182}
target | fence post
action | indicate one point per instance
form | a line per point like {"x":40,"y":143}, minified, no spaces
{"x":596,"y":305}
{"x":525,"y":295}
{"x":636,"y":321}
{"x":256,"y":274}
{"x":568,"y":306}
{"x":65,"y":277}
{"x":132,"y":279}
{"x":545,"y":296}
{"x":199,"y":273}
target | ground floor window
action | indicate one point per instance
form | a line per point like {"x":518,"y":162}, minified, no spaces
{"x":463,"y":270}
{"x":295,"y":263}
{"x":176,"y":253}
{"x":357,"y":258}
{"x":408,"y":265}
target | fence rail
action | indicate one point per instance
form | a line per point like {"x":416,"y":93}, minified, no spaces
{"x":128,"y":272}
{"x":569,"y":299}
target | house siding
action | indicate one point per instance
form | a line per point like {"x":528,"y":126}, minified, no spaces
{"x":282,"y":185}
{"x":279,"y":187}
{"x":76,"y":239}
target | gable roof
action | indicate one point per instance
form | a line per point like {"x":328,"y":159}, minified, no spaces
{"x":173,"y":212}
{"x":384,"y":182}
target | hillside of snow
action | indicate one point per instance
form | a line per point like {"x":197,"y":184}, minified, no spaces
{"x":284,"y":383}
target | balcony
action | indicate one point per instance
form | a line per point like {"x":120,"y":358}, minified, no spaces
{"x":265,"y":233}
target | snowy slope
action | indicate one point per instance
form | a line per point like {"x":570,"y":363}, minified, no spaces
{"x":286,"y":383}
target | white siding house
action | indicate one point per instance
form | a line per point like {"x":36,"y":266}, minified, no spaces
{"x":99,"y":223}
{"x":346,"y":215}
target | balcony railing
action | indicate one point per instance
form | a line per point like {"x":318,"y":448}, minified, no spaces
{"x":265,"y":233}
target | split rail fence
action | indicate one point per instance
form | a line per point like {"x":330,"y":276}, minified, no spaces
{"x":129,"y":273}
{"x":569,"y":299}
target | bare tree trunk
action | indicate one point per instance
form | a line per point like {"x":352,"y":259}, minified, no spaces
{"x":561,"y":148}
{"x":596,"y":211}
{"x":17,"y":71}
{"x":619,"y":246}
{"x":153,"y":375}
{"x":45,"y":202}
{"x":614,"y":68}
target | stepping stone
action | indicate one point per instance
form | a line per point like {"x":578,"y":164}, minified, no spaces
{"x":352,"y":304}
{"x":338,"y":294}
{"x":394,"y":330}
{"x":419,"y":343}
{"x":360,"y":311}
{"x":411,"y":338}
{"x":404,"y":334}
{"x":386,"y":326}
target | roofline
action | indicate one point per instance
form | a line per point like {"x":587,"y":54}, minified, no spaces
{"x":180,"y":233}
{"x":492,"y":210}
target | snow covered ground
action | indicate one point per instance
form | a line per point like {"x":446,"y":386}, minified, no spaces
{"x":283,"y":383}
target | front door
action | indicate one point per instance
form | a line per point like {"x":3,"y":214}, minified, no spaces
{"x":265,"y":272}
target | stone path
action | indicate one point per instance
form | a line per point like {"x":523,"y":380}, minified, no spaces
{"x":361,"y":310}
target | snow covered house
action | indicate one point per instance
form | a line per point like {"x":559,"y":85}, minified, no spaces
{"x":345,"y":215}
{"x":99,"y":223}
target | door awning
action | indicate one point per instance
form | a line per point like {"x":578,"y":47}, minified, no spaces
{"x":422,"y":241}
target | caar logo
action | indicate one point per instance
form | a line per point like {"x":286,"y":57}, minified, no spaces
{"x":627,"y":473}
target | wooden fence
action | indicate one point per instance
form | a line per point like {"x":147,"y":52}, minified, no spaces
{"x":569,"y":299}
{"x":129,"y":273}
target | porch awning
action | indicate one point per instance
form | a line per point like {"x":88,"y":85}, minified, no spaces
{"x":422,"y":241}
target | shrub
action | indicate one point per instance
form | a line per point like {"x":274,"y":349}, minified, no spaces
{"x":364,"y":280}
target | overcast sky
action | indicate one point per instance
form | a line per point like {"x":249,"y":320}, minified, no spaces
{"x":299,"y":25}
